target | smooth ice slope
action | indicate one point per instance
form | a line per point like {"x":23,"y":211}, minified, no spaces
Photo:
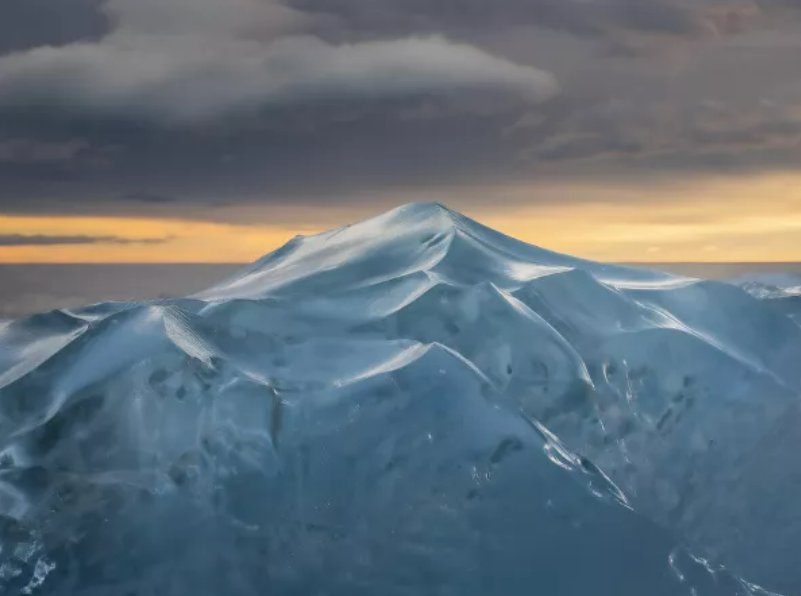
{"x":670,"y":384}
{"x":374,"y":410}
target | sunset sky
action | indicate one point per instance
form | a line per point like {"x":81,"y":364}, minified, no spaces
{"x":215,"y":130}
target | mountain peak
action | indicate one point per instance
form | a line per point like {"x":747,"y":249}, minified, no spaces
{"x":415,"y":237}
{"x":411,"y":214}
{"x":423,"y":208}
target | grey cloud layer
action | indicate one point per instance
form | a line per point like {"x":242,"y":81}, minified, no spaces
{"x":181,"y":105}
{"x":27,"y":151}
{"x":182,"y":60}
{"x":575,"y":16}
{"x":616,"y":129}
{"x":26,"y":24}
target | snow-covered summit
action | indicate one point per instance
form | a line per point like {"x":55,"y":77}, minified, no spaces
{"x":411,"y":404}
{"x":415,"y":238}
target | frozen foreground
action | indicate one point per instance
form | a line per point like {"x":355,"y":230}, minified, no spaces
{"x":412,"y":405}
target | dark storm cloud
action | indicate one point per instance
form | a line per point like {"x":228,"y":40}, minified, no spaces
{"x":42,"y":240}
{"x":31,"y":151}
{"x":712,"y":131}
{"x":147,"y":197}
{"x":26,"y":24}
{"x":178,"y":106}
{"x":337,"y":154}
{"x":603,"y":17}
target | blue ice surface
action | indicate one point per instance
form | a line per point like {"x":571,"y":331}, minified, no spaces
{"x":414,"y":404}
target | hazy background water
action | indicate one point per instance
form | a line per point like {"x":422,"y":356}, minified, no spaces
{"x":35,"y":288}
{"x":27,"y":289}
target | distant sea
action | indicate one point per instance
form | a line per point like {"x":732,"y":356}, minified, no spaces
{"x":26,"y":289}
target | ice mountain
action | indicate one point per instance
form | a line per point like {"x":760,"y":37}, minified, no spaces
{"x":779,"y":290}
{"x":414,"y":404}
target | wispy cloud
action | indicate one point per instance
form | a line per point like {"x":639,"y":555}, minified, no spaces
{"x":45,"y":240}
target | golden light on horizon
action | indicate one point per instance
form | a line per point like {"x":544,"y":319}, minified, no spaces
{"x":143,"y":240}
{"x":727,"y":220}
{"x":753,"y":219}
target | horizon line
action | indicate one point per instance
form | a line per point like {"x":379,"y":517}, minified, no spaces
{"x":222,"y":263}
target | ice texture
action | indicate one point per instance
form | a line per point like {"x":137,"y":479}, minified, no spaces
{"x":781,"y":291}
{"x":414,"y":404}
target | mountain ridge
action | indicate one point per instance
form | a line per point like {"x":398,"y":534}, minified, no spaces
{"x":410,"y":353}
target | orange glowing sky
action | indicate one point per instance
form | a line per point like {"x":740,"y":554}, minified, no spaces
{"x":755,"y":219}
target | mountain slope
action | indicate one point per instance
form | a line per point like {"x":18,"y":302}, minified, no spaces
{"x":375,"y":410}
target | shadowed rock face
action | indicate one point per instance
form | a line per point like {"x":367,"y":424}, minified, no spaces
{"x":375,"y":410}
